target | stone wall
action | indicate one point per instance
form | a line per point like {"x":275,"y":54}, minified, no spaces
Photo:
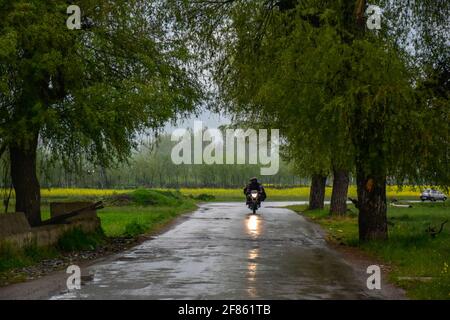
{"x":59,"y":208}
{"x":14,"y":227}
{"x":13,"y":223}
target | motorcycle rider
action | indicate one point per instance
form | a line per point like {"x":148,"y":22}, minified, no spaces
{"x":254,"y":185}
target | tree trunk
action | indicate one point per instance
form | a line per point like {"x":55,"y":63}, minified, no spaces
{"x":24,"y":180}
{"x":372,"y":217}
{"x":339,"y":193}
{"x":317,"y":192}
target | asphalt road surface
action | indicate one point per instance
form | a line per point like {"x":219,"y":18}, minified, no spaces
{"x":222,"y":252}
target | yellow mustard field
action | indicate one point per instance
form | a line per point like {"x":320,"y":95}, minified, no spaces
{"x":221,"y":193}
{"x":80,"y":192}
{"x":300,"y":192}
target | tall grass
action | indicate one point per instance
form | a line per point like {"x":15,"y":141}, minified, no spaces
{"x":13,"y":257}
{"x":77,"y":239}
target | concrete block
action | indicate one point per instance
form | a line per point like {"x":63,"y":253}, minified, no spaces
{"x":15,"y":229}
{"x":59,"y":208}
{"x":13,"y":223}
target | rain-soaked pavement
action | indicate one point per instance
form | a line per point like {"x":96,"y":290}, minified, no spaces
{"x":222,"y":252}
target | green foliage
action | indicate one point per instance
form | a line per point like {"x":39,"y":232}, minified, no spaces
{"x":323,"y":86}
{"x":115,"y":219}
{"x":134,"y":229}
{"x":77,"y":239}
{"x":204,"y":197}
{"x":421,"y":25}
{"x":340,"y":94}
{"x":146,"y":197}
{"x":88,"y":93}
{"x":8,"y":256}
{"x":12,"y":257}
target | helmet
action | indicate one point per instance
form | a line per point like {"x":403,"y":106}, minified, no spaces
{"x":253,"y":179}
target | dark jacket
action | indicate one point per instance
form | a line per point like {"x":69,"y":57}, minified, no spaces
{"x":255,"y":186}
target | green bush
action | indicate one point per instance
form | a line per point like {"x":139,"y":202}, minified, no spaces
{"x":13,"y":257}
{"x":32,"y":251}
{"x":205,"y":197}
{"x":77,"y":239}
{"x":9,"y":256}
{"x":147,"y":197}
{"x":134,"y":229}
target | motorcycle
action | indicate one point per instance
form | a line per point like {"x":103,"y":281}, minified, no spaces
{"x":254,"y":202}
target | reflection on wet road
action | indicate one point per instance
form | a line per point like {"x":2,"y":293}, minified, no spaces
{"x":223,"y":252}
{"x":253,"y":225}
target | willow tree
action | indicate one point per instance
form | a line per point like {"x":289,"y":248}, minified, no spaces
{"x":85,"y":93}
{"x":342,"y":95}
{"x":322,"y":73}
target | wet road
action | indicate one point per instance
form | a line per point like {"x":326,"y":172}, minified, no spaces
{"x":222,"y":252}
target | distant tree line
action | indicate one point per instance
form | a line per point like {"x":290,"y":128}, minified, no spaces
{"x":151,"y":166}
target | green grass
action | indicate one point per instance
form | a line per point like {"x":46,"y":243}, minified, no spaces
{"x":116,"y":219}
{"x":11,"y":257}
{"x":77,"y":240}
{"x":146,"y":211}
{"x":410,"y":250}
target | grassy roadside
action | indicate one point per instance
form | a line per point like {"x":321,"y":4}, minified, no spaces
{"x":137,"y":213}
{"x":419,"y":262}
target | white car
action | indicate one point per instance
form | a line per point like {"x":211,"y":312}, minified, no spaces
{"x":432,"y":195}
